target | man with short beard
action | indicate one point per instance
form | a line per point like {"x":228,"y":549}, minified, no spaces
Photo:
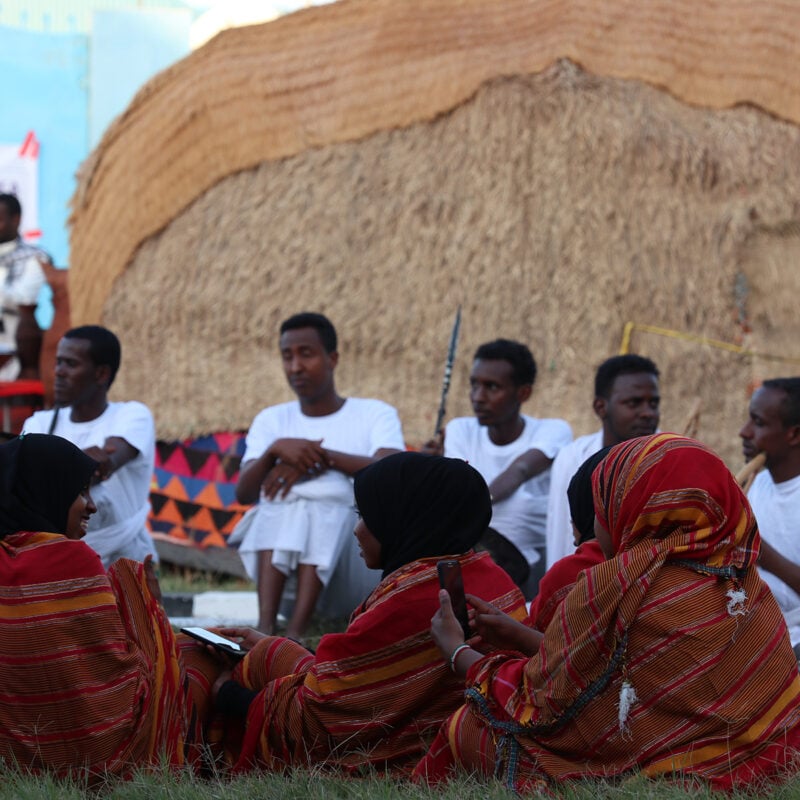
{"x":627,"y":401}
{"x":513,"y":452}
{"x":298,"y":466}
{"x":120,"y":436}
{"x":773,"y":428}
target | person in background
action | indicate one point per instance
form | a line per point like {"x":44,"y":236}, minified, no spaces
{"x":298,"y":465}
{"x":627,"y":402}
{"x":21,"y":279}
{"x":773,"y":428}
{"x":119,"y":436}
{"x":513,"y":452}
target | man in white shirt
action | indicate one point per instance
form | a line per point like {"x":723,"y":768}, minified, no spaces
{"x":626,"y":400}
{"x":298,"y":464}
{"x":512,"y":451}
{"x":119,"y":436}
{"x":773,"y":428}
{"x":21,"y":279}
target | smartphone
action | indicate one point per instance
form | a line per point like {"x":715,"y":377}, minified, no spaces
{"x":219,"y":642}
{"x":450,"y":579}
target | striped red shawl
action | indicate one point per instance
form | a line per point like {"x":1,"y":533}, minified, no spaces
{"x":376,"y":693}
{"x":558,"y":581}
{"x":89,"y":672}
{"x":671,"y":657}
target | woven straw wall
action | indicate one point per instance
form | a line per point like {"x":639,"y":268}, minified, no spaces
{"x":554,"y":207}
{"x":344,"y":71}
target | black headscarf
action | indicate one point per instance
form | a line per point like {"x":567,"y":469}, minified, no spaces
{"x":40,"y":478}
{"x":420,"y":506}
{"x":579,"y":494}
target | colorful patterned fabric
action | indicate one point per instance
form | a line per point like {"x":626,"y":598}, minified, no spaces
{"x":90,"y":677}
{"x":193,"y":493}
{"x":558,"y":581}
{"x":672,"y":657}
{"x":376,"y":693}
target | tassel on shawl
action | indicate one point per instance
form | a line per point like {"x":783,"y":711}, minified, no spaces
{"x":737,"y":597}
{"x":627,"y":697}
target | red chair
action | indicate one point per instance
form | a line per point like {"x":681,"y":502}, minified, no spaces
{"x":18,"y":400}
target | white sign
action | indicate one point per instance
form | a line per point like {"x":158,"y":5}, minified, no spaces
{"x":19,"y":175}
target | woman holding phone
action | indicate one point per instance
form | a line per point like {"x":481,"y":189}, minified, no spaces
{"x":375,"y":694}
{"x":671,"y":657}
{"x":89,"y":669}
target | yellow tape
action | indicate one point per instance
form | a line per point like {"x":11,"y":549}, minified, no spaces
{"x":630,"y":327}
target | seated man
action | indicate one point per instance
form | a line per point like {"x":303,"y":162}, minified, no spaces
{"x":626,"y":400}
{"x":298,"y":463}
{"x":512,"y":451}
{"x":120,"y":436}
{"x":21,"y":280}
{"x":773,"y":428}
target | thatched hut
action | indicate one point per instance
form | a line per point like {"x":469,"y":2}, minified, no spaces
{"x":558,"y":167}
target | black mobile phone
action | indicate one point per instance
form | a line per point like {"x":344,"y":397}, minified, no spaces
{"x":450,"y":579}
{"x":219,"y":642}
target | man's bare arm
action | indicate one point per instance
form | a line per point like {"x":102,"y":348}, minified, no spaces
{"x":350,"y":464}
{"x":522,"y":468}
{"x":252,"y":475}
{"x":115,"y":453}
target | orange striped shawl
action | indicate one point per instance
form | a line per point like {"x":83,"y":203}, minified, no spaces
{"x":376,"y":693}
{"x":89,"y":675}
{"x":716,"y":682}
{"x":559,"y":580}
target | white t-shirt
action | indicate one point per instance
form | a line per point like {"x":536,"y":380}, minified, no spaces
{"x":315,"y":521}
{"x":559,"y":536}
{"x":360,"y":427}
{"x":21,"y":280}
{"x":520,"y":517}
{"x":777,"y":510}
{"x":119,"y":527}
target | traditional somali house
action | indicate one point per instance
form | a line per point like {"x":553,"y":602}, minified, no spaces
{"x":558,"y":167}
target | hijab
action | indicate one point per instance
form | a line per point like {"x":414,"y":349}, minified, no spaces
{"x":579,"y":494}
{"x":40,"y":478}
{"x":420,"y":506}
{"x":675,"y":493}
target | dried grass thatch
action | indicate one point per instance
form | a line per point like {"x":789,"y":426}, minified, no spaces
{"x":554,"y":206}
{"x":344,"y":71}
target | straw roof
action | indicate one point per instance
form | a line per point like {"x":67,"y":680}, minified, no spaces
{"x":382,"y":162}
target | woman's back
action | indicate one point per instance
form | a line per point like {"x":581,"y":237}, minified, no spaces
{"x":376,"y":693}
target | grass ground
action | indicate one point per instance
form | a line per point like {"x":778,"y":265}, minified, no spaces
{"x":301,"y":785}
{"x":184,"y":580}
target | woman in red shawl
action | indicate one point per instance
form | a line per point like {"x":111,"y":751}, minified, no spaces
{"x":670,"y":657}
{"x":376,"y":694}
{"x":90,"y":681}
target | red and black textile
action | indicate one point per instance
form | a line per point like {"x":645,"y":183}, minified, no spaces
{"x":671,"y":658}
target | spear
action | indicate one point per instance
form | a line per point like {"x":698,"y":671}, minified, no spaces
{"x":448,"y":371}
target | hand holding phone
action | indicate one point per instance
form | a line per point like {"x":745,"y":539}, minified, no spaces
{"x":218,"y":642}
{"x":451,"y":581}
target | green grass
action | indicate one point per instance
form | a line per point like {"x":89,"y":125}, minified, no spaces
{"x":303,"y":784}
{"x":185,"y":580}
